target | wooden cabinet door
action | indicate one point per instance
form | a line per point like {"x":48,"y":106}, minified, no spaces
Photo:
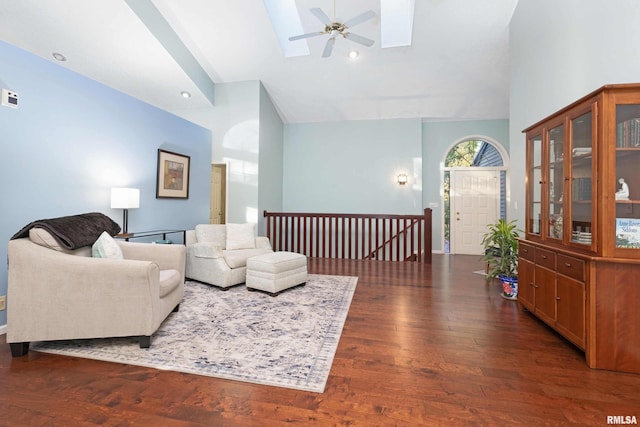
{"x":570,"y":302}
{"x":545,"y":294}
{"x":526,"y":290}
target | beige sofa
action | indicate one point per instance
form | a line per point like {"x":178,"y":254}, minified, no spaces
{"x":217,"y":253}
{"x":56,"y":294}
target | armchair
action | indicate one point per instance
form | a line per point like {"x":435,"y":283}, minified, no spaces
{"x":217,"y":253}
{"x":56,"y":294}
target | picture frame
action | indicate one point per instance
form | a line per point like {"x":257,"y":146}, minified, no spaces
{"x":172,"y":181}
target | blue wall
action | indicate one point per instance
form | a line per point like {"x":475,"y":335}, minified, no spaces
{"x":352,"y":167}
{"x":72,"y":139}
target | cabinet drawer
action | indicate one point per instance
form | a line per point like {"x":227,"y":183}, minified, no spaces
{"x":526,"y":251}
{"x":545,"y":258}
{"x":572,"y":267}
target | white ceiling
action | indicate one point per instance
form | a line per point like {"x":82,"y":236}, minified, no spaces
{"x":456,"y":67}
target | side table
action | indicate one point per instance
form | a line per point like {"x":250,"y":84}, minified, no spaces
{"x":141,"y":234}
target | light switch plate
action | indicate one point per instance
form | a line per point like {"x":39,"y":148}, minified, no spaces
{"x":9,"y":98}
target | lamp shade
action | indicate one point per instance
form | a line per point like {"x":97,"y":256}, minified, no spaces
{"x":125,"y":198}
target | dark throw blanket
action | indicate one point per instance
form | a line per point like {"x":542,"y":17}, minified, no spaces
{"x":75,"y":231}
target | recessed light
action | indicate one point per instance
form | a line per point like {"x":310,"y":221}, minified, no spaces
{"x":59,"y":57}
{"x":185,"y":94}
{"x":354,"y":54}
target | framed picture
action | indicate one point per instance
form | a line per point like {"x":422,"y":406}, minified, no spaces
{"x":173,"y":175}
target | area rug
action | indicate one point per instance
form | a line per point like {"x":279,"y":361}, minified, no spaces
{"x":286,"y":341}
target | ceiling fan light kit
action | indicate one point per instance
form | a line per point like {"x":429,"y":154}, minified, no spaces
{"x":335,"y":29}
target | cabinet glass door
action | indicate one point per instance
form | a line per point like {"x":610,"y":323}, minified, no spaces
{"x":582,"y":165}
{"x":627,"y":180}
{"x":535,"y":184}
{"x":555,"y":188}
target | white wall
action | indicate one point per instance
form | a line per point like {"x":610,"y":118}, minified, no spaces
{"x":351,"y":167}
{"x":247,"y":135}
{"x":560,"y":51}
{"x":235,"y":125}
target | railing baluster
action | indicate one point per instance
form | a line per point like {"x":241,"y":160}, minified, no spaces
{"x":377,"y":234}
{"x":354,"y":254}
{"x":317,"y":225}
{"x":352,"y":236}
{"x":420,"y":258}
{"x":397,"y":235}
{"x":404,"y":239}
{"x":279,"y":242}
{"x":411,"y":236}
{"x":387,"y":250}
{"x":427,"y":236}
{"x":343,"y":243}
{"x":327,"y":237}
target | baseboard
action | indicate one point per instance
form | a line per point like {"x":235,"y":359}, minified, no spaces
{"x":3,"y":329}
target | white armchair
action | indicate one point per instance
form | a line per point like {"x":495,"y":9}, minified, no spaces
{"x":217,"y":253}
{"x":55,"y":294}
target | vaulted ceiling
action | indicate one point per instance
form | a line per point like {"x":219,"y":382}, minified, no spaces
{"x":455,"y":68}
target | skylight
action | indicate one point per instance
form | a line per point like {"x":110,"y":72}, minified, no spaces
{"x":396,"y":21}
{"x":286,"y":22}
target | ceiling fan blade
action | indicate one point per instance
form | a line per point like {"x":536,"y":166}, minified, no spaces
{"x":360,"y":19}
{"x":321,"y":15}
{"x":328,"y":47}
{"x":359,"y":39}
{"x":305,"y":36}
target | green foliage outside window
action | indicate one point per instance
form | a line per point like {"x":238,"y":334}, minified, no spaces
{"x":463,"y":154}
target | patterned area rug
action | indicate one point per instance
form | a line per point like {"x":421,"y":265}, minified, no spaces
{"x":285,"y":341}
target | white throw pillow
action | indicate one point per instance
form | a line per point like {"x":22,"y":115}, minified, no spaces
{"x":106,"y":247}
{"x":241,"y":236}
{"x":212,"y":233}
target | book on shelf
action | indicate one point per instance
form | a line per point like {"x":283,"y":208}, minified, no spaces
{"x":628,"y":134}
{"x":581,"y":189}
{"x":628,"y":233}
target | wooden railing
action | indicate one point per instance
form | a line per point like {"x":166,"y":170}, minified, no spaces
{"x":352,"y":236}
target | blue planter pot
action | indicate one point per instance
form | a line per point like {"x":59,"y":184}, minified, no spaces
{"x":509,"y":287}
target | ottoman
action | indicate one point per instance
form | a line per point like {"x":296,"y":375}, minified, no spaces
{"x":276,"y":271}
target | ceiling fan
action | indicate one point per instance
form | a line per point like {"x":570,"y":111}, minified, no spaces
{"x":334,"y":29}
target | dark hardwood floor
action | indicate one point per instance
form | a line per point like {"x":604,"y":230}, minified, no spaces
{"x":422,"y":345}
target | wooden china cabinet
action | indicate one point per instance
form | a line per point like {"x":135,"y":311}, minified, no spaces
{"x":579,"y":264}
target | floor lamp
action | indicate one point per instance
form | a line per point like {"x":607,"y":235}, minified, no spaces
{"x":125,"y":198}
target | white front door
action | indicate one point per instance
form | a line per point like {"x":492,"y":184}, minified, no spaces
{"x":475,"y":200}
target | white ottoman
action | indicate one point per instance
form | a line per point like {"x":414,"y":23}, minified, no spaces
{"x":276,"y":271}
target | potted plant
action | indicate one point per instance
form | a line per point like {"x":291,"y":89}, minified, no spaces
{"x":501,"y":254}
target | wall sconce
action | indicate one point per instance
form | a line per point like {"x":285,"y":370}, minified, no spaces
{"x":402,"y":179}
{"x":125,"y":198}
